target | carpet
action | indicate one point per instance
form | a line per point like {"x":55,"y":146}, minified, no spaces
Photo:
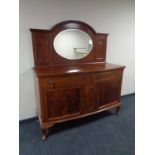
{"x":100,"y":134}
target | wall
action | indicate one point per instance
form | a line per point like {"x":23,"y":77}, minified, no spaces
{"x":115,"y":17}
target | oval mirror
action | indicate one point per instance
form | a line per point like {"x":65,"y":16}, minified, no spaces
{"x":73,"y":44}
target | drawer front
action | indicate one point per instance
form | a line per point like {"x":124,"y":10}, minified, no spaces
{"x":106,"y":76}
{"x":61,"y":82}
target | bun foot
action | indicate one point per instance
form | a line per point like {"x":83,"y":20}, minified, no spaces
{"x":44,"y":133}
{"x":43,"y":137}
{"x":117,"y":110}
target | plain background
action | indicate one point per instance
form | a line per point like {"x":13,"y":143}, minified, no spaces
{"x":115,"y":17}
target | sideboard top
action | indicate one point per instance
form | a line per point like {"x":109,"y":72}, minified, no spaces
{"x":78,"y":69}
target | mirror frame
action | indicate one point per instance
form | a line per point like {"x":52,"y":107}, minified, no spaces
{"x":71,"y":25}
{"x":45,"y":54}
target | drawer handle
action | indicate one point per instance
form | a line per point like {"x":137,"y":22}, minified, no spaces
{"x":51,"y":84}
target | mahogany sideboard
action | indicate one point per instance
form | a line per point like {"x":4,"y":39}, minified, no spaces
{"x":74,"y":83}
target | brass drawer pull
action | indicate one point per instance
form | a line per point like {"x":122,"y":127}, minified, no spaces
{"x":51,"y":84}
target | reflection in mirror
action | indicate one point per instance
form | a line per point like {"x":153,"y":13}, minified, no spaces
{"x":73,"y":44}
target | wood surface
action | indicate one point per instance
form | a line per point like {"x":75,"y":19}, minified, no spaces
{"x":72,"y":89}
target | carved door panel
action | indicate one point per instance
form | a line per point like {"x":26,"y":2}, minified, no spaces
{"x":71,"y":103}
{"x":89,"y":104}
{"x":61,"y":103}
{"x":108,"y":92}
{"x":54,"y":103}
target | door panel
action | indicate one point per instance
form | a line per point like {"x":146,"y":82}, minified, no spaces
{"x":70,"y":102}
{"x":54,"y":102}
{"x":108,"y":92}
{"x":89,"y":99}
{"x":62,"y":102}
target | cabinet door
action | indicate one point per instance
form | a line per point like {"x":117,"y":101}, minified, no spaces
{"x":108,"y":92}
{"x":89,"y":99}
{"x":62,"y":103}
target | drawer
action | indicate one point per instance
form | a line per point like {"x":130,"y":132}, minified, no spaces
{"x":61,"y":82}
{"x":108,"y":75}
